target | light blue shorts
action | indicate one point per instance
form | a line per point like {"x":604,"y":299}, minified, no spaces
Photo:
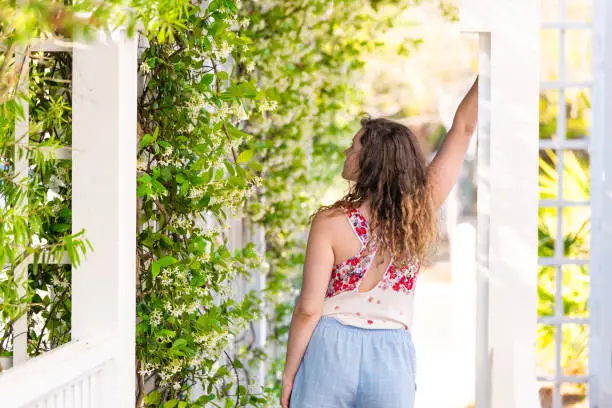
{"x":350,"y":367}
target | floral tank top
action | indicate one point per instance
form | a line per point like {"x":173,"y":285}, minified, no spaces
{"x":389,"y":305}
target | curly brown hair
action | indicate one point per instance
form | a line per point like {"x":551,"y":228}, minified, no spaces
{"x":393,"y":176}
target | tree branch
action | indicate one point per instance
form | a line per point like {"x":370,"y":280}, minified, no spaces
{"x":237,"y":378}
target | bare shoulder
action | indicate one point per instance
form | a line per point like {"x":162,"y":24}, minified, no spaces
{"x":328,"y":221}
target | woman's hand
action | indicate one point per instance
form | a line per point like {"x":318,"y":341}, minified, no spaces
{"x":287,"y":386}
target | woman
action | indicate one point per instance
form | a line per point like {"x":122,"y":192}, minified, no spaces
{"x":349,"y":341}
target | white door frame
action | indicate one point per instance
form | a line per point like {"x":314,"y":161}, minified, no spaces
{"x":509,"y":31}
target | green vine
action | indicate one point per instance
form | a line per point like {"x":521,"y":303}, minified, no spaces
{"x":307,"y":55}
{"x":243,"y":111}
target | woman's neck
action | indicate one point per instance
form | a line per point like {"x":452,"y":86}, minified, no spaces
{"x":365,"y":207}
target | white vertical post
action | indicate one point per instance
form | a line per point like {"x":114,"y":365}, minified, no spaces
{"x":483,"y":352}
{"x":600,"y":303}
{"x":20,"y":327}
{"x":508,"y":171}
{"x":514,"y":203}
{"x":463,"y":278}
{"x":104,"y":200}
{"x":256,"y":234}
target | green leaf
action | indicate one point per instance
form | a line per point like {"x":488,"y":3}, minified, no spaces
{"x":219,"y":174}
{"x":207,"y":80}
{"x":206,"y":176}
{"x":214,"y":5}
{"x":143,"y":190}
{"x":171,"y":404}
{"x":167,"y":260}
{"x":145,"y":178}
{"x":237,"y":181}
{"x":245,"y":156}
{"x":155,"y":269}
{"x":178,"y":343}
{"x":205,"y":200}
{"x":167,"y":241}
{"x":69,"y":248}
{"x":60,"y":227}
{"x":154,"y":398}
{"x":157,"y":265}
{"x":230,"y":5}
{"x":244,"y":90}
{"x":146,"y":140}
{"x":166,"y":173}
{"x":236,"y":133}
{"x":241,"y":172}
{"x":255,"y":166}
{"x":229,"y":167}
{"x":197,"y":245}
{"x":222,"y":75}
{"x":184,"y":187}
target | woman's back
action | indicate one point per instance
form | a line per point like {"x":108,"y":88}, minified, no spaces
{"x":366,"y":288}
{"x":346,"y":244}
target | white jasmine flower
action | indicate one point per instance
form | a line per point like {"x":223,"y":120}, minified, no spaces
{"x":56,"y":281}
{"x":155,"y":318}
{"x":145,"y":68}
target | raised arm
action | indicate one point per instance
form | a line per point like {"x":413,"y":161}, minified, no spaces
{"x":445,"y":167}
{"x":309,"y":306}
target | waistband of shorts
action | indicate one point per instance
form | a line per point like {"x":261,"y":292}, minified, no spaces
{"x":328,"y":321}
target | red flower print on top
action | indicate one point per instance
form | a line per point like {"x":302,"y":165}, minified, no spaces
{"x":353,"y":261}
{"x":345,"y":276}
{"x":360,"y":225}
{"x":401,"y":279}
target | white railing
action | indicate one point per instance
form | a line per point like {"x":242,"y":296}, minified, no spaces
{"x":97,"y":367}
{"x":71,"y":376}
